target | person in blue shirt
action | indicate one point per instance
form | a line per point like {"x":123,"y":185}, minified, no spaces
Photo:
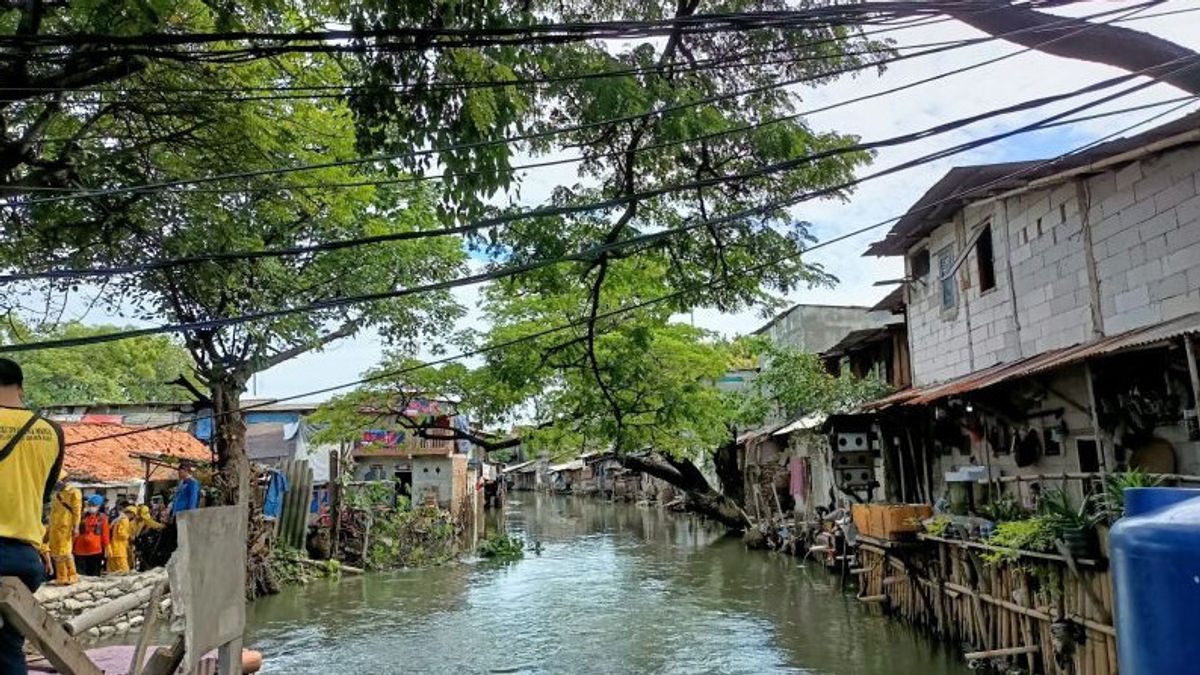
{"x":187,"y":495}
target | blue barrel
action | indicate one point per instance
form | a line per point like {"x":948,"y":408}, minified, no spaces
{"x":1155,"y":551}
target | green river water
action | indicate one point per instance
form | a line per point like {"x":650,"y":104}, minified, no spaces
{"x":616,"y":588}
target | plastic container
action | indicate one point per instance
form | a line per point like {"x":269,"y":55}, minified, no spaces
{"x":1155,"y":552}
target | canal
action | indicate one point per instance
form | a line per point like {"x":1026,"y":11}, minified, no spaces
{"x":615,"y":589}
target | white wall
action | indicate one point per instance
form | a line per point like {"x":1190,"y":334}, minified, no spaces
{"x":1145,"y":226}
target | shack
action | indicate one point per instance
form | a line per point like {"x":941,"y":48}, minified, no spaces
{"x":567,"y":476}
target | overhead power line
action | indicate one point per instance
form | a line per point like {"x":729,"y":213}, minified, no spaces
{"x":506,"y":140}
{"x":425,"y":37}
{"x":555,"y":211}
{"x":590,"y":254}
{"x":397,"y":372}
{"x":319,"y":91}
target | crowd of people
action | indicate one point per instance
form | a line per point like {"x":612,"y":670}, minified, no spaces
{"x":85,"y":536}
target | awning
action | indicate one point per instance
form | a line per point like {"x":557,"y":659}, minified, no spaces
{"x":573,"y":465}
{"x":1139,"y":338}
{"x":805,"y":423}
{"x":518,"y":467}
{"x":855,"y":339}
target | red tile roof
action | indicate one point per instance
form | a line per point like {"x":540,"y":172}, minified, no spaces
{"x":108,"y":460}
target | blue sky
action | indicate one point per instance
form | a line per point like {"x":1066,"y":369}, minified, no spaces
{"x":1019,"y":78}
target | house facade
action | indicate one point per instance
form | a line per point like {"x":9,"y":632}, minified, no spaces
{"x":1051,"y":313}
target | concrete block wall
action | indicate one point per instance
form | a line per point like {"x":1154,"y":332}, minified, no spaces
{"x":1145,"y":226}
{"x":66,"y":602}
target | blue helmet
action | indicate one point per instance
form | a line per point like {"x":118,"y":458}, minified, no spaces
{"x":96,"y":500}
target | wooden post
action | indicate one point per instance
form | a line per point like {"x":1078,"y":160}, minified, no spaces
{"x":1189,"y":348}
{"x":335,"y":499}
{"x":19,"y":609}
{"x":1100,"y":444}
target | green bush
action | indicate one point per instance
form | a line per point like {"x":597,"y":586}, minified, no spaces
{"x":502,"y":547}
{"x":411,"y":538}
{"x":1014,"y":536}
{"x":1112,"y":500}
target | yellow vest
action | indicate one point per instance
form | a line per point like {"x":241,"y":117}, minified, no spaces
{"x":27,"y":474}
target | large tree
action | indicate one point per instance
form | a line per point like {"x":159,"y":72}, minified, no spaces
{"x":695,"y":107}
{"x":131,"y":371}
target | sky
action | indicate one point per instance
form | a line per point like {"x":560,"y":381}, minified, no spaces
{"x":1021,"y":77}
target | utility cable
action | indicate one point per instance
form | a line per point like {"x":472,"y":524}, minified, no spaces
{"x":590,"y":254}
{"x":475,"y":145}
{"x":658,"y":299}
{"x":555,"y":211}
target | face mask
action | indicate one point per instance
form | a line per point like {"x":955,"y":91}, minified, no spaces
{"x":92,"y":509}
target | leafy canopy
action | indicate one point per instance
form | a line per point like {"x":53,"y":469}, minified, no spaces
{"x":131,"y":371}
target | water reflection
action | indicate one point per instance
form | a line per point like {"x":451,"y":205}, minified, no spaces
{"x":616,"y":589}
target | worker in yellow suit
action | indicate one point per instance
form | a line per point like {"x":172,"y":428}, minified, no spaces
{"x":140,"y":523}
{"x":66,"y":509}
{"x":120,"y":532}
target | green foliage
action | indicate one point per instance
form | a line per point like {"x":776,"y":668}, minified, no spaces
{"x":1112,"y":500}
{"x":794,"y":383}
{"x":1003,"y":509}
{"x":411,"y":538}
{"x":287,"y":568}
{"x":501,"y":547}
{"x":1063,"y":516}
{"x":634,"y":380}
{"x":1033,"y":534}
{"x":937,"y":525}
{"x":135,"y":370}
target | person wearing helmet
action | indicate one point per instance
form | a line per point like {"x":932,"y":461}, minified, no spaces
{"x":121,"y":531}
{"x":66,"y":510}
{"x":93,"y":538}
{"x":31,"y":457}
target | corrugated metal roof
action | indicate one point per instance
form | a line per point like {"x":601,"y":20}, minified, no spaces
{"x":814,"y":421}
{"x":573,"y":465}
{"x":1137,"y":338}
{"x":964,"y":184}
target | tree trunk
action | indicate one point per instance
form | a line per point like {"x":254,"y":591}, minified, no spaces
{"x":1124,"y":48}
{"x":699,"y":496}
{"x":229,"y":436}
{"x":729,"y":473}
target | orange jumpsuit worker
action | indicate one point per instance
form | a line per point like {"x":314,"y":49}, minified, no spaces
{"x":120,"y":532}
{"x":66,"y":510}
{"x":92,"y":539}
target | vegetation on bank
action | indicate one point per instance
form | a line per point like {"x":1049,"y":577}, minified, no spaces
{"x":501,"y":547}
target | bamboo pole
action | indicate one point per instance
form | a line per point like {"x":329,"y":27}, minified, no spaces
{"x":1004,"y":651}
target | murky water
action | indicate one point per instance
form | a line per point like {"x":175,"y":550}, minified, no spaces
{"x":615,"y":589}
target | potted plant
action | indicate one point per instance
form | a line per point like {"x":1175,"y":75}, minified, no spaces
{"x":1074,"y":525}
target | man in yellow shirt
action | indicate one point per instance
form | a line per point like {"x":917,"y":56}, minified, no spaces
{"x":31,"y":456}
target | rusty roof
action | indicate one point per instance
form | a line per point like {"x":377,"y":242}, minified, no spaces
{"x":1138,"y":338}
{"x":92,"y":456}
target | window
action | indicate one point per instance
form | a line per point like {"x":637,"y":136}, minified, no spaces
{"x":986,"y":260}
{"x":945,"y":259}
{"x":919,"y":264}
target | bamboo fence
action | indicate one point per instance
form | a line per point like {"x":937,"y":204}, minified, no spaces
{"x":998,"y":611}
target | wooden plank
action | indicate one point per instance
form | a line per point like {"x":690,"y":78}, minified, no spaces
{"x":19,"y":609}
{"x":149,"y":623}
{"x":166,"y":660}
{"x":873,"y":598}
